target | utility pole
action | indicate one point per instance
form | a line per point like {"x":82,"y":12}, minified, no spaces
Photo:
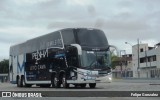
{"x":126,"y":64}
{"x":138,"y":69}
{"x":138,"y":60}
{"x":122,"y":63}
{"x":120,"y":55}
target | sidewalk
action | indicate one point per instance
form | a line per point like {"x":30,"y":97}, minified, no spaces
{"x":137,"y":80}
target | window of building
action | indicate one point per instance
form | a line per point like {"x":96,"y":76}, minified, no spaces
{"x":154,"y":58}
{"x":149,"y":59}
{"x":142,"y":60}
{"x":130,"y":55}
{"x":141,"y":50}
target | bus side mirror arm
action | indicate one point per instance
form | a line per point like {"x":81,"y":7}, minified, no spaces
{"x":115,"y":48}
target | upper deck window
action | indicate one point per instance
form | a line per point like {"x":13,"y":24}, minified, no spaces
{"x":68,"y":37}
{"x":92,"y":38}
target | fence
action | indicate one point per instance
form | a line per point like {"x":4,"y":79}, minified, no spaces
{"x":4,"y":77}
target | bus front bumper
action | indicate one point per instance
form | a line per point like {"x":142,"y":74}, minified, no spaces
{"x":98,"y":79}
{"x":104,"y":79}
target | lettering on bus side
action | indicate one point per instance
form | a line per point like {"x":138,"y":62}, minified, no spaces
{"x":49,"y":44}
{"x":40,"y":54}
{"x":57,"y":42}
{"x":39,"y":67}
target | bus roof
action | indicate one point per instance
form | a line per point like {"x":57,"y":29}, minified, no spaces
{"x":55,"y":39}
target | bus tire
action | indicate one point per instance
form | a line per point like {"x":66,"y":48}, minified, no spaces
{"x":52,"y":80}
{"x":64,"y":82}
{"x":92,"y":85}
{"x":24,"y":83}
{"x":18,"y":81}
{"x":83,"y":85}
{"x":56,"y":82}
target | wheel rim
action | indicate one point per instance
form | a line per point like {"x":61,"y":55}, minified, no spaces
{"x":19,"y":81}
{"x":55,"y":81}
{"x":64,"y":82}
{"x":23,"y":82}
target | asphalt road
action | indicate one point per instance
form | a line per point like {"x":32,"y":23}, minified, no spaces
{"x":119,"y":85}
{"x":116,"y":85}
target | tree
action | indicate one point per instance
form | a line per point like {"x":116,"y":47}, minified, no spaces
{"x":4,"y":66}
{"x":114,"y":58}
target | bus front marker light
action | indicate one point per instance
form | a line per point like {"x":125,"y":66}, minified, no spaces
{"x":72,"y":74}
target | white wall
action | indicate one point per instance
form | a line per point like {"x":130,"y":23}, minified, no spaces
{"x":135,"y":57}
{"x":146,"y":67}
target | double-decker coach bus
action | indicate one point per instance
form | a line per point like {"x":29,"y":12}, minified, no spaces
{"x":77,"y":56}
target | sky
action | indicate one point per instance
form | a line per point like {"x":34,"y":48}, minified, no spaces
{"x":121,"y":20}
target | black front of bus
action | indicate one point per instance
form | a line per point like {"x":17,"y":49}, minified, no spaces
{"x":94,"y":60}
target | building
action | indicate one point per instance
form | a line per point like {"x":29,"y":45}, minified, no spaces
{"x":123,"y":66}
{"x":149,"y":61}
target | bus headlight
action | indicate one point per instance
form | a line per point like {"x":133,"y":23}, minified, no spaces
{"x":110,"y":78}
{"x":72,"y":74}
{"x":109,"y":73}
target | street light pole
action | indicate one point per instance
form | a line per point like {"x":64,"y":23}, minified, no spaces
{"x":138,"y":68}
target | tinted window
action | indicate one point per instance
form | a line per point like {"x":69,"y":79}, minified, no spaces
{"x":68,"y":37}
{"x":92,"y":38}
{"x":44,"y":42}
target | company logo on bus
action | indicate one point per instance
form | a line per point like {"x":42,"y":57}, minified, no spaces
{"x":40,"y":54}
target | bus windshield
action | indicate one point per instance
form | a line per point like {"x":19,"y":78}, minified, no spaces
{"x":95,"y":59}
{"x":92,"y":38}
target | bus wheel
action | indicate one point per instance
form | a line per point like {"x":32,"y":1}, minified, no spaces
{"x":64,"y":83}
{"x":56,"y":82}
{"x":18,"y":82}
{"x":24,"y":83}
{"x":76,"y":85}
{"x":83,"y":85}
{"x":92,"y":85}
{"x":52,"y":80}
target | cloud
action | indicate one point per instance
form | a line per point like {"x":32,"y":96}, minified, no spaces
{"x":5,"y":51}
{"x":121,"y":20}
{"x":14,"y":35}
{"x":118,"y":29}
{"x":2,"y":4}
{"x":21,"y":2}
{"x":79,"y":2}
{"x":91,"y":10}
